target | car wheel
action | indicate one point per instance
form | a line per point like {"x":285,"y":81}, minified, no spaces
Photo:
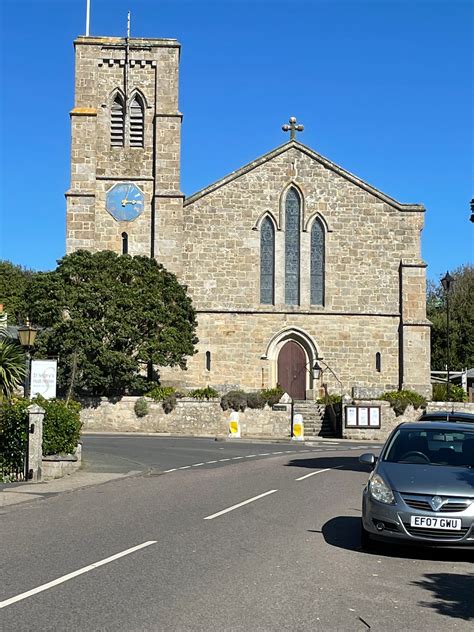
{"x":366,"y":541}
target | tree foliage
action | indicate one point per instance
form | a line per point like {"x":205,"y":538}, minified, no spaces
{"x":14,"y":281}
{"x":107,"y":317}
{"x":461,"y":317}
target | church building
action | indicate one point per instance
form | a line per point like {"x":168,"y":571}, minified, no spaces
{"x":301,"y":273}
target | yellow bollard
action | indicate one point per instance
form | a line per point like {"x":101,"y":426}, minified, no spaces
{"x":234,"y":426}
{"x":298,"y":428}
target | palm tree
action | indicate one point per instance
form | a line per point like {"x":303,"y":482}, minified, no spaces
{"x":12,"y":367}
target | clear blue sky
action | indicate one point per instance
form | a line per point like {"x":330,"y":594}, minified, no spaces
{"x":384,"y":89}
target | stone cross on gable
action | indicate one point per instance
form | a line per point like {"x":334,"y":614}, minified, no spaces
{"x":292,"y":128}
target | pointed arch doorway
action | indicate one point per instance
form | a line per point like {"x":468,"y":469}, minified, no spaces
{"x":292,"y":370}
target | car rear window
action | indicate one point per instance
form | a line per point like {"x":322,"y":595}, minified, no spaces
{"x":433,"y":447}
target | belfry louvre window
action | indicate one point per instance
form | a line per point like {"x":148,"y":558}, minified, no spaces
{"x":117,"y":122}
{"x":292,"y":248}
{"x":136,"y":122}
{"x":267,"y":262}
{"x":317,"y":263}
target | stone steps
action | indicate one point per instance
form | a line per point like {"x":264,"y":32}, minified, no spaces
{"x":316,"y":423}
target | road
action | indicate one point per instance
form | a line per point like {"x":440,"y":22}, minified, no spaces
{"x":267,"y":540}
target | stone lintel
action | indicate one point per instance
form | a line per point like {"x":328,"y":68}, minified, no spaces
{"x":178,"y":115}
{"x":258,"y":312}
{"x":126,"y":178}
{"x":83,"y":112}
{"x":79,"y":194}
{"x":167,"y":194}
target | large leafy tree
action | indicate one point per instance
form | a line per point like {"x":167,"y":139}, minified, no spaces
{"x":14,"y":281}
{"x":461,"y":316}
{"x":108,"y":318}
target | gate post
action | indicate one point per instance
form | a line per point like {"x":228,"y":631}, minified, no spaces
{"x":35,"y":443}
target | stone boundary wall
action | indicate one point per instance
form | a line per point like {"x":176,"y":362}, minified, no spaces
{"x":459,"y":407}
{"x":190,"y":417}
{"x":57,"y":466}
{"x":389,"y":420}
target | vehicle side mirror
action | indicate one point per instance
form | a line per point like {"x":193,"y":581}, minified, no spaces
{"x":368,"y":459}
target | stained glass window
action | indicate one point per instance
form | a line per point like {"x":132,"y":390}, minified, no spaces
{"x":267,"y":262}
{"x":317,"y":263}
{"x":292,"y":248}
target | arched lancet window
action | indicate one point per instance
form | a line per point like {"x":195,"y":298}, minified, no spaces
{"x":267,"y":262}
{"x":124,"y":244}
{"x":317,"y":263}
{"x":292,"y":247}
{"x":208,"y":360}
{"x":378,"y":362}
{"x":136,"y":122}
{"x":117,"y":122}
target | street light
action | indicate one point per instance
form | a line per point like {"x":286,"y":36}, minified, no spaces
{"x":472,"y":210}
{"x":27,"y":336}
{"x":447,"y":282}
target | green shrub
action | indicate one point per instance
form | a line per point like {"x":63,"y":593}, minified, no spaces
{"x":456,"y":393}
{"x":169,"y":403}
{"x":272,"y":396}
{"x":255,"y":400}
{"x":61,"y":426}
{"x":332,"y":399}
{"x":234,"y":400}
{"x":204,"y":393}
{"x":399,"y":400}
{"x":159,"y":393}
{"x":13,"y":425}
{"x":141,"y":407}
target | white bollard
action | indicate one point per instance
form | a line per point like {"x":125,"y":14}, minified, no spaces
{"x":298,"y":428}
{"x":234,"y":426}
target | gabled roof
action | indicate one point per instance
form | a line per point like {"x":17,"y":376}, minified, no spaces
{"x":294,"y":144}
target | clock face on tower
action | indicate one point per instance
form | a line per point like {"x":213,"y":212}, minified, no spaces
{"x":124,"y":201}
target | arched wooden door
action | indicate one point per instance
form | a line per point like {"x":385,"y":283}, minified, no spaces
{"x":292,"y":370}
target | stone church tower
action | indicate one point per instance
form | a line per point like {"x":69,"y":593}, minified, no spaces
{"x":289,"y":260}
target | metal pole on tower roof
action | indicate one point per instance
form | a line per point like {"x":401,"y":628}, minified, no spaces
{"x":88,"y":16}
{"x":128,"y":24}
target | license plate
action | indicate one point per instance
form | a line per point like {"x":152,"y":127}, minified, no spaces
{"x":427,"y":522}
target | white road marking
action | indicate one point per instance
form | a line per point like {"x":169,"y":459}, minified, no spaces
{"x":208,"y":462}
{"x":264,"y":454}
{"x":235,"y":458}
{"x":69,"y":576}
{"x":245,"y":502}
{"x":249,"y":456}
{"x":301,"y":478}
{"x":277,"y":452}
{"x":220,"y":460}
{"x":197,"y":464}
{"x":172,"y":470}
{"x":185,"y":467}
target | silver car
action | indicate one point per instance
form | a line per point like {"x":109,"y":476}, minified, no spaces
{"x":421,"y":489}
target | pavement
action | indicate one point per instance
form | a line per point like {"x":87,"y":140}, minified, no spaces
{"x":16,"y":493}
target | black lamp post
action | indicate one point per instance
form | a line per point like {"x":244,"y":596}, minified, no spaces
{"x":447,"y":282}
{"x":27,"y":336}
{"x":472,"y":210}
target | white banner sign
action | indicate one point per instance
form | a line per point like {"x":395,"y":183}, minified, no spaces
{"x":43,"y":378}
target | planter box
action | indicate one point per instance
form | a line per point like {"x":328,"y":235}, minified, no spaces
{"x":59,"y":465}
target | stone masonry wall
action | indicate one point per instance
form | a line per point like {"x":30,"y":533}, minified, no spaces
{"x":190,"y":417}
{"x":239,"y":343}
{"x":388,"y":421}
